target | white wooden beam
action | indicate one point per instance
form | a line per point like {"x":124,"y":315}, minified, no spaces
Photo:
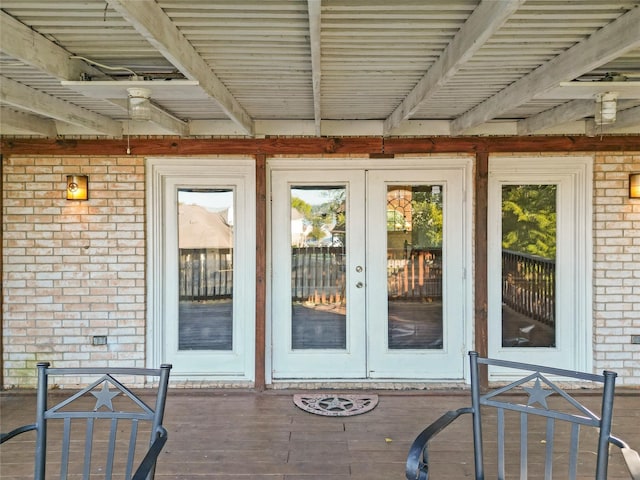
{"x":606,"y":44}
{"x":567,"y":112}
{"x":485,"y":20}
{"x":314,"y":9}
{"x":27,"y":122}
{"x":27,"y":98}
{"x":624,"y":119}
{"x":160,"y":117}
{"x":24,"y":44}
{"x":152,"y":23}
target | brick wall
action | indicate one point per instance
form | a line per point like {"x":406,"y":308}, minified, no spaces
{"x":72,"y":269}
{"x":616,"y":267}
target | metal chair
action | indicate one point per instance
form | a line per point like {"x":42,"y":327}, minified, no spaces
{"x":525,"y":406}
{"x":98,"y":430}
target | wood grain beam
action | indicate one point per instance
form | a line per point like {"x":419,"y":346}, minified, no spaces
{"x":184,"y":147}
{"x":567,"y":112}
{"x":481,"y":25}
{"x":313,"y":7}
{"x":148,"y":18}
{"x":24,"y":44}
{"x":261,"y":272}
{"x":32,"y":100}
{"x":481,"y":292}
{"x":606,"y":44}
{"x":329,"y":146}
{"x":624,"y":118}
{"x":27,"y":122}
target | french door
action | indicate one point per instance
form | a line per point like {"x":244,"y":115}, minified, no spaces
{"x":539,"y":261}
{"x":202,"y":267}
{"x":368,"y":270}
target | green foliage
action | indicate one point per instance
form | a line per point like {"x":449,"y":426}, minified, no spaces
{"x":427,"y":217}
{"x":331,"y":212}
{"x":529,"y":219}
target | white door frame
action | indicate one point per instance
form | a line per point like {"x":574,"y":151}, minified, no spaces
{"x":163,"y":177}
{"x":573,"y":175}
{"x":462,"y":163}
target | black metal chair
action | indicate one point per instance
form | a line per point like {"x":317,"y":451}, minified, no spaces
{"x":98,"y":430}
{"x":524,"y":406}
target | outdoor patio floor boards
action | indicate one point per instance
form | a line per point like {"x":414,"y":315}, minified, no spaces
{"x":235,"y":435}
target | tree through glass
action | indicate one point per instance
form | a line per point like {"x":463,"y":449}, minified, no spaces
{"x":318,"y":267}
{"x":528,"y":265}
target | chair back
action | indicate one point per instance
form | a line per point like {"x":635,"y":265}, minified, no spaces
{"x":105,"y":429}
{"x":548,"y":421}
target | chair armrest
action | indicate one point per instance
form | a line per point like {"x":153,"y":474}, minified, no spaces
{"x":149,"y":460}
{"x":16,"y":431}
{"x":417,"y":467}
{"x":632,"y":459}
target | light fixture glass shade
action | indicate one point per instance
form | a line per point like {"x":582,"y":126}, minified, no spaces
{"x":634,"y":185}
{"x":606,"y":106}
{"x":77,"y":187}
{"x":139,"y":103}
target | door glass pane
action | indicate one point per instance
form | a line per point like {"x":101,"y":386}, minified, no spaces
{"x":414,"y":266}
{"x":318,"y":272}
{"x":205,"y":242}
{"x":528,"y":265}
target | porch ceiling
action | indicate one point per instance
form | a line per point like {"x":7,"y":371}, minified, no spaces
{"x":318,"y":67}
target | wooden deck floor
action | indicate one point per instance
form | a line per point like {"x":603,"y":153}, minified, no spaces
{"x":231,"y":435}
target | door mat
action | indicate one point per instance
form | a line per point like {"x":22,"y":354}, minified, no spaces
{"x":335,"y":404}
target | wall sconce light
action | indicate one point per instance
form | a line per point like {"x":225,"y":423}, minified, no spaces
{"x":139,"y":104}
{"x":634,"y":185}
{"x":77,"y":187}
{"x":606,"y":104}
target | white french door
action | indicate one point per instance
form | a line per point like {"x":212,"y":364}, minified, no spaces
{"x":539,"y":259}
{"x":368,"y":270}
{"x":202,"y":267}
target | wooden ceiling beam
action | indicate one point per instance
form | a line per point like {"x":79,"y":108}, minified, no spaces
{"x":27,"y":122}
{"x":22,"y":43}
{"x":481,"y":25}
{"x":605,"y":45}
{"x":32,"y":100}
{"x":150,"y":21}
{"x":314,"y":9}
{"x":327,"y":146}
{"x":624,"y":118}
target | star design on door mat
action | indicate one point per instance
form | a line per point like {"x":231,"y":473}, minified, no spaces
{"x":105,"y":397}
{"x":537,"y":394}
{"x":335,"y":405}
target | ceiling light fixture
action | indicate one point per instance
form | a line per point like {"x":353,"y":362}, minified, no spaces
{"x":606,"y":104}
{"x":139,"y":103}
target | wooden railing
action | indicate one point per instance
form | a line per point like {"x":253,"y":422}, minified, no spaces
{"x":318,"y":274}
{"x":529,"y":285}
{"x":206,"y":273}
{"x":414,"y":274}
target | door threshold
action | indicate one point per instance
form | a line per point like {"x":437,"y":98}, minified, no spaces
{"x":337,"y":384}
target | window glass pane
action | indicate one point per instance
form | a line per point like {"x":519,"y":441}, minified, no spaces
{"x":318,"y":240}
{"x":205,"y":242}
{"x":528,"y":265}
{"x":414,"y":266}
